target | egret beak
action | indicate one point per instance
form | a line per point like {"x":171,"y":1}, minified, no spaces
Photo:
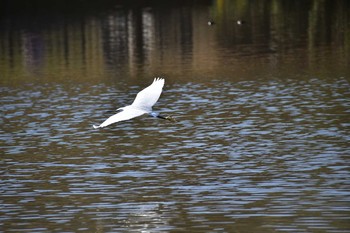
{"x":169,"y":118}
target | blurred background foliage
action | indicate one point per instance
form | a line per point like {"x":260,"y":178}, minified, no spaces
{"x":86,"y":38}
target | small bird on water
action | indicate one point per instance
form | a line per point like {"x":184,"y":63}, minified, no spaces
{"x":211,"y":23}
{"x":142,"y":104}
{"x":240,"y":22}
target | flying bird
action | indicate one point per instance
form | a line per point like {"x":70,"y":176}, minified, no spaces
{"x":142,"y":104}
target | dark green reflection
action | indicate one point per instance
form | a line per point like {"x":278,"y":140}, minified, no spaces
{"x":106,"y":41}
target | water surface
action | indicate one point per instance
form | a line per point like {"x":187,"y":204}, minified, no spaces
{"x":262,"y":138}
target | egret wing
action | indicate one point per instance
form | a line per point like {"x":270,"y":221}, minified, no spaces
{"x":124,"y":115}
{"x":146,"y":98}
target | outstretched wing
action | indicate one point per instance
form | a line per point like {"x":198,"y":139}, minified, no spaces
{"x":146,"y":98}
{"x":126,"y":114}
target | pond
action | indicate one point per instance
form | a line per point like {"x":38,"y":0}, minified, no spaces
{"x":260,"y":95}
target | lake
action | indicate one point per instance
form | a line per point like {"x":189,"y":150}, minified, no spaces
{"x":260,"y":91}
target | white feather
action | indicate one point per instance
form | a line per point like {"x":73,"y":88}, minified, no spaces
{"x":146,"y":98}
{"x":142,"y":104}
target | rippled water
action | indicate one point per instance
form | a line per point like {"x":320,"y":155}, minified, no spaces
{"x":261,"y":142}
{"x":272,"y":154}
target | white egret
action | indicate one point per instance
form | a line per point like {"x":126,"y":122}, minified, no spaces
{"x":142,"y":104}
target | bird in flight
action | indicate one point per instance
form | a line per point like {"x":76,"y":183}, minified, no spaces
{"x":142,"y":104}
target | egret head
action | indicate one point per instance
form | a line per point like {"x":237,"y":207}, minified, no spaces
{"x":169,"y":118}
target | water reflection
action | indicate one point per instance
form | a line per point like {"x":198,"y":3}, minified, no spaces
{"x":262,"y":138}
{"x":150,"y":39}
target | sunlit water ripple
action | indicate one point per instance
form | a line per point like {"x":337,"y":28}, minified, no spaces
{"x":254,"y":151}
